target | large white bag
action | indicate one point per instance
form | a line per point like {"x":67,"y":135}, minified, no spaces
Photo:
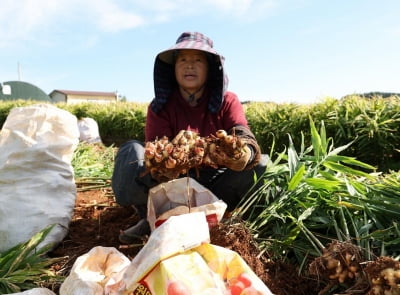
{"x":37,"y":186}
{"x":89,"y":130}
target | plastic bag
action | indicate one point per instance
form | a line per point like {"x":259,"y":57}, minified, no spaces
{"x":89,"y":130}
{"x":175,"y":259}
{"x":181,"y":196}
{"x":178,"y":256}
{"x":93,"y":271}
{"x":206,"y":269}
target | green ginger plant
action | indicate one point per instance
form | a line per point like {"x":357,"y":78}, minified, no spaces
{"x":25,"y":266}
{"x":306,"y":199}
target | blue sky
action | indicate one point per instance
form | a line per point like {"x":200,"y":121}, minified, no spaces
{"x":276,"y":50}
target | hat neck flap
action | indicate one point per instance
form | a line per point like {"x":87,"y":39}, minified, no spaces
{"x":164,"y":71}
{"x":165,"y":83}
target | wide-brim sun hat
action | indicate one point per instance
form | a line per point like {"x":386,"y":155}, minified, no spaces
{"x":164,"y":70}
{"x":190,"y":40}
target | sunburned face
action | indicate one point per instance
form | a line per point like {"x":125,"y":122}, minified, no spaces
{"x":191,"y":68}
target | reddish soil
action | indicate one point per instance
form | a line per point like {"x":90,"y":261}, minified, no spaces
{"x":97,"y":220}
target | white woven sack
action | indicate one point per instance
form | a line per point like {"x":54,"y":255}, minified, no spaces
{"x":37,"y":186}
{"x":89,"y":130}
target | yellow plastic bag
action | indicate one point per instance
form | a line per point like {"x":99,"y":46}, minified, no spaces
{"x":205,"y":270}
{"x":178,"y":259}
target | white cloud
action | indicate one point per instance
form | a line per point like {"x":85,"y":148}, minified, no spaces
{"x":111,"y":17}
{"x":242,"y":9}
{"x":24,"y":20}
{"x":20,"y":19}
{"x":240,"y":6}
{"x":245,"y":9}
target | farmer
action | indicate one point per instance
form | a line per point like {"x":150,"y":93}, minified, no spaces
{"x":190,"y":88}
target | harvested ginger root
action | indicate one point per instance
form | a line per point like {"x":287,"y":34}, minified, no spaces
{"x":166,"y":159}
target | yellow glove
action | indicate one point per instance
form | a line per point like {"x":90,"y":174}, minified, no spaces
{"x":237,"y":163}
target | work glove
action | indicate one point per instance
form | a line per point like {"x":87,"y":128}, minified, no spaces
{"x":236,"y":163}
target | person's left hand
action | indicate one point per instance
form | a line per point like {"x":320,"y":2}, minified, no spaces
{"x":236,"y":163}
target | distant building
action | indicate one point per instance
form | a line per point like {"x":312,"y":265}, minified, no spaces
{"x":72,"y":96}
{"x":14,"y":90}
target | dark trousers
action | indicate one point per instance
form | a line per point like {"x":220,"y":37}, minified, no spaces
{"x":131,"y":184}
